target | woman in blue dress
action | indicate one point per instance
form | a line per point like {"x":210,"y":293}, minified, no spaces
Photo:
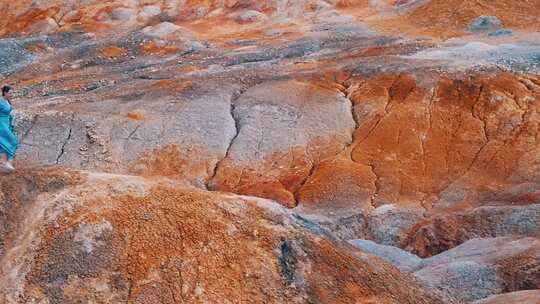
{"x":8,"y":139}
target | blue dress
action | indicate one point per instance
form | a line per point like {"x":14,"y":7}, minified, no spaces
{"x":8,"y":139}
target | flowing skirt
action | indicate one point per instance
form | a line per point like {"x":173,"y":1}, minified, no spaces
{"x":8,"y":139}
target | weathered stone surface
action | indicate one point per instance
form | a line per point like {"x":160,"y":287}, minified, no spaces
{"x":161,"y":30}
{"x":483,"y":267}
{"x":157,"y":143}
{"x":465,"y":280}
{"x":14,"y":54}
{"x":345,"y":224}
{"x":284,"y":130}
{"x":438,"y":18}
{"x":442,"y":138}
{"x":359,"y":114}
{"x":251,"y":16}
{"x":389,"y":223}
{"x":442,"y":232}
{"x":485,"y":23}
{"x":397,"y":257}
{"x":338,"y":183}
{"x":524,"y":297}
{"x":133,"y":245}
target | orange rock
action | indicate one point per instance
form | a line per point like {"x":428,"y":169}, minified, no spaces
{"x":314,"y":109}
{"x":37,"y":48}
{"x":153,"y":48}
{"x":113,"y":51}
{"x":336,"y":184}
{"x":170,"y":162}
{"x":282,"y":135}
{"x":439,"y":19}
{"x":522,"y":297}
{"x":179,"y":245}
{"x":135,"y":115}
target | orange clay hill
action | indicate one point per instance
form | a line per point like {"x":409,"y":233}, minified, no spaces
{"x":272,"y":152}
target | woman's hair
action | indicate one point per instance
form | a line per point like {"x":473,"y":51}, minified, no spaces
{"x":5,"y":89}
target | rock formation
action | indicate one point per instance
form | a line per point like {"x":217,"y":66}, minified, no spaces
{"x":347,"y":151}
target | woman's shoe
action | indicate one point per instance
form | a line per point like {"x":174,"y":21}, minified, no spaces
{"x":8,"y":167}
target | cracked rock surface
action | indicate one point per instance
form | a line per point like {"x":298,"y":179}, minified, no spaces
{"x":271,"y":152}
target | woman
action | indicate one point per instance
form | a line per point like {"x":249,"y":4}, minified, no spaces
{"x":8,"y":139}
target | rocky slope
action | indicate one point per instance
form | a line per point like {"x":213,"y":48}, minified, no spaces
{"x":101,"y":238}
{"x":166,"y":142}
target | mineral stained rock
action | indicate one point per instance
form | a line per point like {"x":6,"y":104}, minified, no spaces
{"x":101,"y":238}
{"x":359,"y":151}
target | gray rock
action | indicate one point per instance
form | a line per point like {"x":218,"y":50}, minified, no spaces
{"x":166,"y":33}
{"x":123,"y":14}
{"x":501,"y":32}
{"x":522,"y":56}
{"x":485,"y":23}
{"x":302,"y":47}
{"x":251,"y":16}
{"x":398,"y":257}
{"x":389,"y":224}
{"x":193,"y":46}
{"x":487,"y":250}
{"x":275,"y":32}
{"x":161,"y":30}
{"x":452,"y":195}
{"x":296,"y":49}
{"x":465,"y":280}
{"x":151,"y":10}
{"x":508,"y":220}
{"x":199,"y":12}
{"x":45,"y":139}
{"x":346,"y":225}
{"x":483,"y":267}
{"x":95,"y":139}
{"x":14,"y":55}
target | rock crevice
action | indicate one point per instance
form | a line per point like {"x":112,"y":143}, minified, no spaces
{"x":66,"y":141}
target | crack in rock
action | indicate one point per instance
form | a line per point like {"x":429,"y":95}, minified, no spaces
{"x":234,"y":98}
{"x":64,"y":144}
